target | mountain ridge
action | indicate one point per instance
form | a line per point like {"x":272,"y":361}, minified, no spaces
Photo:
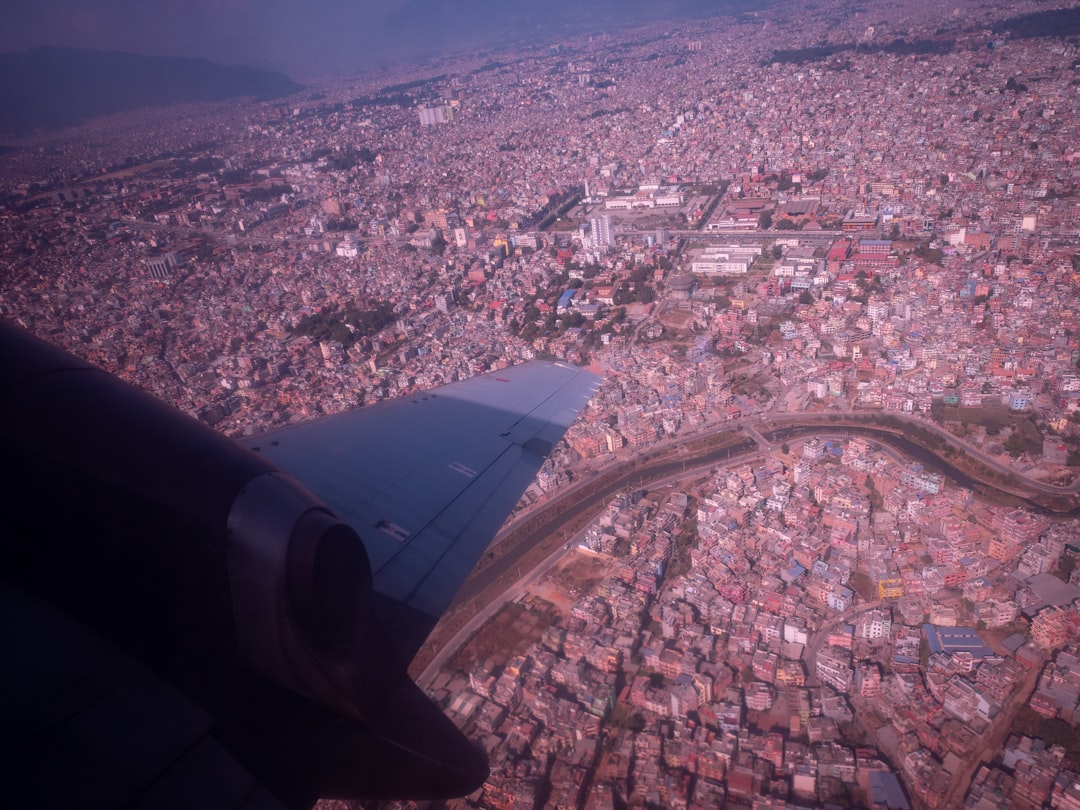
{"x":50,"y":87}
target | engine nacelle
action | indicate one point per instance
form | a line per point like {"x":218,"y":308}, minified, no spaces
{"x":208,"y":564}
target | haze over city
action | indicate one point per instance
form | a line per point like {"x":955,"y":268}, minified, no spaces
{"x":813,"y":540}
{"x":324,"y":37}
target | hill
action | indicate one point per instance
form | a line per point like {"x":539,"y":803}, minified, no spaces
{"x":47,"y":87}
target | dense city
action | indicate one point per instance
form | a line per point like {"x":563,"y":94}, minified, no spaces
{"x":861,"y":215}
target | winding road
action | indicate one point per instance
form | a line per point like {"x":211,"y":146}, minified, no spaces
{"x":550,"y":518}
{"x":818,"y":420}
{"x":636,"y":474}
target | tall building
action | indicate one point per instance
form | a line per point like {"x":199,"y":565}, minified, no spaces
{"x":162,"y":266}
{"x":601,"y":232}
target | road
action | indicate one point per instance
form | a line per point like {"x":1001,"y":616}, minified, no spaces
{"x":513,"y":545}
{"x":651,"y":473}
{"x":762,"y":442}
{"x":661,"y":472}
{"x":822,"y":632}
{"x":812,"y":419}
{"x":636,"y":477}
{"x":991,"y":742}
{"x":476,"y":622}
{"x":250,"y":237}
{"x":821,"y":238}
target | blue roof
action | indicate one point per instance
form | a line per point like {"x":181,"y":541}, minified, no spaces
{"x":950,"y":640}
{"x":796,"y":571}
{"x":885,"y":790}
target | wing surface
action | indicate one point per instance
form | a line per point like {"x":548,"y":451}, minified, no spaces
{"x":428,"y":479}
{"x":183,"y":626}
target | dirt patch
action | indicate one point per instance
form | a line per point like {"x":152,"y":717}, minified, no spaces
{"x":676,"y":318}
{"x":778,"y":718}
{"x":517,"y":625}
{"x":575,"y":575}
{"x":509,"y":632}
{"x":992,"y":418}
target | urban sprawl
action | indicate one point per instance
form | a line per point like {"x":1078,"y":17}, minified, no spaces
{"x":781,"y":218}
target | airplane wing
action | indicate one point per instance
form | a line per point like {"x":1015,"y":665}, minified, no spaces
{"x":177,"y":610}
{"x":428,"y":479}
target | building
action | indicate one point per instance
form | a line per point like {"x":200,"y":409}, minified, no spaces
{"x":162,"y":266}
{"x":1019,"y":527}
{"x":429,"y":116}
{"x":868,"y":679}
{"x":600,"y":230}
{"x":833,"y":668}
{"x":875,"y":625}
{"x":1053,"y":627}
{"x":725,"y":260}
{"x":917,"y":478}
{"x":858,"y":221}
{"x":890,"y":588}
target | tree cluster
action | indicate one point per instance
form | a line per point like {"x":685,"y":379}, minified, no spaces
{"x":345,"y":326}
{"x":265,"y":193}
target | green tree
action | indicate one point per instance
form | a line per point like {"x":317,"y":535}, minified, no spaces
{"x":1014,"y":445}
{"x":573,"y":319}
{"x":765,"y":220}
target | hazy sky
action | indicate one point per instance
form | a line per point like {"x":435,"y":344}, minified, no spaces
{"x":309,"y":38}
{"x":298,"y":37}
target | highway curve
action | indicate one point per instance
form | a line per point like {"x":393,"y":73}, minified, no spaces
{"x":589,"y":498}
{"x":918,"y":452}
